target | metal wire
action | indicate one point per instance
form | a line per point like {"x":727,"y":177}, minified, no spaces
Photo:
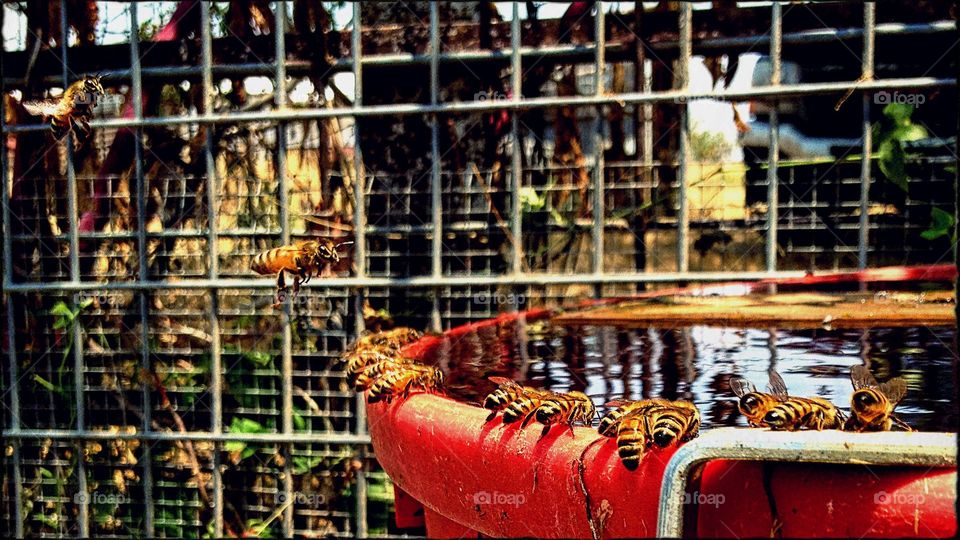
{"x":446,"y":289}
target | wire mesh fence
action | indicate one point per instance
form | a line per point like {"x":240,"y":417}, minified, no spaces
{"x":480,"y":164}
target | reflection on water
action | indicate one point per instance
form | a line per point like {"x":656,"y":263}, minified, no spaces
{"x":697,"y":362}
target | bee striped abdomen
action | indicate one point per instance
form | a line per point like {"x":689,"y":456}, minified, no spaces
{"x":276,"y":260}
{"x":680,"y":423}
{"x":500,"y":399}
{"x":520,"y":408}
{"x":609,"y":422}
{"x":632,"y":435}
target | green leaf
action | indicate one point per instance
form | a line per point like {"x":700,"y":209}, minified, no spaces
{"x":44,"y":472}
{"x":943,"y":222}
{"x":942,"y":219}
{"x":85,"y":303}
{"x":305,"y":464}
{"x":234,"y":446}
{"x":909,"y":132}
{"x":246,"y":425}
{"x":530,"y":200}
{"x":299,"y":423}
{"x":892,"y":162}
{"x":46,"y":384}
{"x":900,"y":113}
{"x":247,"y":452}
{"x":259,"y":358}
{"x":61,"y":309}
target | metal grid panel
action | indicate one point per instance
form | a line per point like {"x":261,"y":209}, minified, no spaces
{"x":437,"y":246}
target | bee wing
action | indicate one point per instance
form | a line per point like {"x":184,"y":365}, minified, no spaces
{"x":776,"y":385}
{"x":861,"y":377}
{"x":617,"y":403}
{"x":894,"y":389}
{"x":42,"y":107}
{"x":503,"y":381}
{"x":741,"y":386}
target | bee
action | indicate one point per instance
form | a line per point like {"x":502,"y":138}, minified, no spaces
{"x":872,"y":404}
{"x":567,"y":409}
{"x":525,"y":406}
{"x":680,"y":422}
{"x":393,"y":339}
{"x":633,"y":436}
{"x":610,"y":421}
{"x":400,"y":380}
{"x":303,"y":260}
{"x":755,"y":405}
{"x":72,"y":109}
{"x":357,"y":361}
{"x":638,"y":425}
{"x":795,"y":413}
{"x":506,"y":393}
{"x":373,"y":372}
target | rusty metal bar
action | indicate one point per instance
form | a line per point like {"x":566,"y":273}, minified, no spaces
{"x":599,"y":216}
{"x":136,"y":90}
{"x":360,"y":260}
{"x":628,"y":98}
{"x":683,"y":154}
{"x":773,"y":150}
{"x":866,"y":176}
{"x":216,"y":366}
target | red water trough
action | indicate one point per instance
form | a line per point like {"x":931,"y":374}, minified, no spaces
{"x":477,"y":478}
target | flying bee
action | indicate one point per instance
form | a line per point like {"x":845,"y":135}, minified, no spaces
{"x":754,"y":405}
{"x":393,"y":339}
{"x":610,"y":421}
{"x":680,"y":422}
{"x":567,"y":409}
{"x":872,"y":404}
{"x":400,"y":380}
{"x":72,"y":109}
{"x":373,"y":372}
{"x":303,"y":260}
{"x":795,"y":413}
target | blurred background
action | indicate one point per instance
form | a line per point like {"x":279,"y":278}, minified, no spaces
{"x":483,"y":156}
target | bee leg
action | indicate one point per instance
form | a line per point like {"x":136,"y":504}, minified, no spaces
{"x":491,"y":416}
{"x":901,"y":423}
{"x":544,"y":431}
{"x":58,"y":130}
{"x":527,"y":418}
